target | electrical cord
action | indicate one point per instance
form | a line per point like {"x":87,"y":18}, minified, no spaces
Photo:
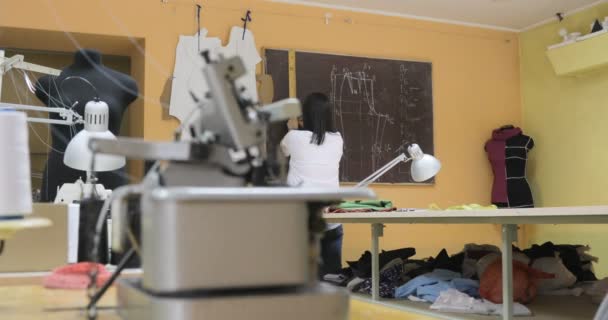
{"x":119,"y":268}
{"x":81,"y":79}
{"x":120,"y":192}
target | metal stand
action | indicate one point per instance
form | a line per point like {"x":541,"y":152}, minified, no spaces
{"x":509,"y":235}
{"x":377,"y":232}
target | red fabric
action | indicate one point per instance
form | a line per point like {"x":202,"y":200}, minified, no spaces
{"x":75,"y":276}
{"x":524,"y":282}
{"x":339,"y":210}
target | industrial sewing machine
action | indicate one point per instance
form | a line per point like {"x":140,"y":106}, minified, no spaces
{"x":221,"y":237}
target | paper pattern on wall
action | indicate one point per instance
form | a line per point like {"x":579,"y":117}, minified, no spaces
{"x":188,"y":76}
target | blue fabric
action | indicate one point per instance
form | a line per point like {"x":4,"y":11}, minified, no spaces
{"x":430,"y":278}
{"x":430,"y":285}
{"x":431,"y":292}
{"x":468,"y":286}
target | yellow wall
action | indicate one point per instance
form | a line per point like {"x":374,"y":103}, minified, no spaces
{"x":475,"y":74}
{"x":567,"y":117}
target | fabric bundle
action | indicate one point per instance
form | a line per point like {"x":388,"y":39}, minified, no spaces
{"x":428,"y":286}
{"x":363,"y":206}
{"x":75,"y":276}
{"x":524,"y":282}
{"x":471,"y":281}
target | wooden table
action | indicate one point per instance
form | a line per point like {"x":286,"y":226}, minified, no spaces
{"x":9,"y":227}
{"x":22,"y":297}
{"x":33,"y":302}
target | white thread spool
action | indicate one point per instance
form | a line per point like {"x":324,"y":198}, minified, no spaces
{"x":15,"y":185}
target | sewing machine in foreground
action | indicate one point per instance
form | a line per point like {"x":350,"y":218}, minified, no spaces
{"x":221,"y":236}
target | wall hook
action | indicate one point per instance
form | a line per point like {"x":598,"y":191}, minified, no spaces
{"x":246,"y":19}
{"x":198,"y":24}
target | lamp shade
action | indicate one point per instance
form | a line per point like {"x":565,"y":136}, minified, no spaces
{"x":15,"y":185}
{"x":424,"y":166}
{"x":78,"y":155}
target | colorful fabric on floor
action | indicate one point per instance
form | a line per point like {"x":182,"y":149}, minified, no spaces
{"x":429,"y":286}
{"x":390,"y":278}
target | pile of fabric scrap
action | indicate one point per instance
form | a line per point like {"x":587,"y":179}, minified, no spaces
{"x":470,"y":281}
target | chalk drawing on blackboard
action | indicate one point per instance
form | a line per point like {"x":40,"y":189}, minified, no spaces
{"x":366,"y":93}
{"x":352,"y":93}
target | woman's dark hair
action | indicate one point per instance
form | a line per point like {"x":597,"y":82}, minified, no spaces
{"x":318,"y":117}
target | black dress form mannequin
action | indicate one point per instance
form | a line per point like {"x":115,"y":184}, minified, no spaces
{"x":508,"y":153}
{"x":116,"y":89}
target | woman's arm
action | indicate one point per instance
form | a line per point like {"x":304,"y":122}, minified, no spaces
{"x":285,"y":145}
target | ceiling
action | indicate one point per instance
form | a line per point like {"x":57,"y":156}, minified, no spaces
{"x":512,"y":15}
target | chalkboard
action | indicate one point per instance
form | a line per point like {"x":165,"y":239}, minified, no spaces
{"x":380,"y":106}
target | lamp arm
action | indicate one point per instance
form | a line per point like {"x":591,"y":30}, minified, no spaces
{"x":380,"y":172}
{"x":17,"y":61}
{"x":70,"y":116}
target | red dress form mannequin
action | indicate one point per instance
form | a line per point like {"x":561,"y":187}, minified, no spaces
{"x":508,"y":153}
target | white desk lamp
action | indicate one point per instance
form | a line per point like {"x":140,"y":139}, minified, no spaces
{"x":79,"y":156}
{"x":424,"y":166}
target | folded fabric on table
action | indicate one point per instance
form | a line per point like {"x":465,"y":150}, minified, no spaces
{"x":363,"y":206}
{"x":430,"y":285}
{"x":455,"y":301}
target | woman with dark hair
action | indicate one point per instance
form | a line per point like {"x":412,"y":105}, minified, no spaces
{"x":315,"y":152}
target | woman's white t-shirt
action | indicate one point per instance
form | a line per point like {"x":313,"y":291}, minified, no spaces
{"x":313,"y":165}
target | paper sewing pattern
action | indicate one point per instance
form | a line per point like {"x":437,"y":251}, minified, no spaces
{"x":188,"y":77}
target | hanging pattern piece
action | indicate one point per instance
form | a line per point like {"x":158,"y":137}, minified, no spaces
{"x":188,"y":77}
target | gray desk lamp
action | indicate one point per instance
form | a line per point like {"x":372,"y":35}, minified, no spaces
{"x":424,"y":166}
